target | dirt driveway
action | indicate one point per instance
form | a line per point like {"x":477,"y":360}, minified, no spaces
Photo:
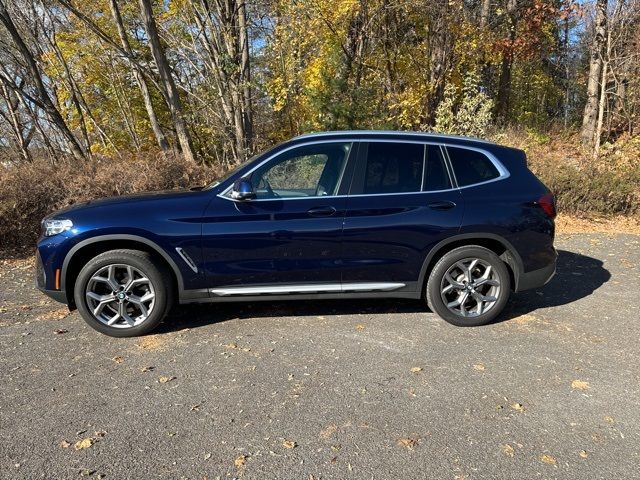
{"x":310,"y":390}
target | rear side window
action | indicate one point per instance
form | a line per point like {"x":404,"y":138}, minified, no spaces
{"x":471,"y":166}
{"x":391,"y":167}
{"x":435,"y":175}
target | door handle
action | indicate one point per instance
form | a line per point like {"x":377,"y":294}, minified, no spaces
{"x":321,"y":211}
{"x":441,"y":205}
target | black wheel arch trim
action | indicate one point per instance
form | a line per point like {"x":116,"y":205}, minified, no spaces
{"x":105,"y":238}
{"x":510,"y":257}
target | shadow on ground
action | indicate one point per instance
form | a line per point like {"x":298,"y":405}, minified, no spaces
{"x":577,"y":276}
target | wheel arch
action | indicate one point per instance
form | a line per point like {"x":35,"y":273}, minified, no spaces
{"x":497,"y":244}
{"x":85,"y":250}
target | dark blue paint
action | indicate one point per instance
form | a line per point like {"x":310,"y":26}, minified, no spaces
{"x":310,"y":240}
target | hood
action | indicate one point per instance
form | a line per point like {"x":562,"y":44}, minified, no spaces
{"x":133,"y":198}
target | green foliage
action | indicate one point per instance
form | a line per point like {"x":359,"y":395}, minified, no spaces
{"x":466,"y":110}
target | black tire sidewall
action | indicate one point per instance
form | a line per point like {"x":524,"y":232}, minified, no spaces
{"x":141,"y":261}
{"x":435,"y":279}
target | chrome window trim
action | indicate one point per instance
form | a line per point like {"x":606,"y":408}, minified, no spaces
{"x":502,"y":170}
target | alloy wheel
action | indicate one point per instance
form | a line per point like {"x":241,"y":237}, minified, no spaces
{"x":470,"y":287}
{"x":120,"y":296}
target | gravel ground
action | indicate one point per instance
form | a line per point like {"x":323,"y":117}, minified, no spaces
{"x":309,"y":390}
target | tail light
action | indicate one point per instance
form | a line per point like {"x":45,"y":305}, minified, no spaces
{"x":548,"y":203}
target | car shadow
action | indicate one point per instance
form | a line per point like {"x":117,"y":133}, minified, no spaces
{"x":577,"y":276}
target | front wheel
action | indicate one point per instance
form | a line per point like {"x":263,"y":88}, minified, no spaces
{"x":469,"y":286}
{"x":123,"y":293}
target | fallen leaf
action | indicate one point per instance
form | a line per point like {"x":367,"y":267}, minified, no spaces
{"x":609,"y":419}
{"x":147,"y":369}
{"x":360,"y":327}
{"x":507,"y":450}
{"x":166,"y":379}
{"x":518,"y":407}
{"x":548,"y":459}
{"x":118,"y":359}
{"x":416,"y":369}
{"x":408,"y":442}
{"x":240,"y":461}
{"x":99,"y":434}
{"x":289,"y":444}
{"x":87,"y":472}
{"x":580,"y":385}
{"x":231,"y":345}
{"x":479,"y":367}
{"x":84,"y":443}
{"x":65,"y":444}
{"x":60,"y":331}
{"x":583,"y":454}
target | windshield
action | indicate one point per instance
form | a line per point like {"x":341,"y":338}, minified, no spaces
{"x":230,"y":173}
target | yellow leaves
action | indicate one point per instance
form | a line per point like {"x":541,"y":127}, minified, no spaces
{"x":548,"y":459}
{"x":289,"y":444}
{"x":508,"y":450}
{"x":360,"y":327}
{"x":583,"y":454}
{"x":166,"y":379}
{"x":518,"y":407}
{"x":416,"y":369}
{"x":84,"y":443}
{"x":240,"y":461}
{"x":409,"y":443}
{"x":580,"y":385}
{"x":479,"y":367}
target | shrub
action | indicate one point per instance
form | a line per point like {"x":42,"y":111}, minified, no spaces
{"x":30,"y":191}
{"x":466,"y":110}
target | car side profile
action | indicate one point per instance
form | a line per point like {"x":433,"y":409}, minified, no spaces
{"x":455,"y":221}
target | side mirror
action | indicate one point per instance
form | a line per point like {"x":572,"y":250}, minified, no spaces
{"x":243,"y":190}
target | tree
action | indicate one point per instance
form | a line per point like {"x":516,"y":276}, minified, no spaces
{"x":597,"y":53}
{"x":41,"y":97}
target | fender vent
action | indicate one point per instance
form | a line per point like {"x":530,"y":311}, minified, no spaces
{"x":187,"y":259}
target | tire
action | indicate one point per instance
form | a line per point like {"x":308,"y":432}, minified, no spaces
{"x":121,"y":286}
{"x":454,"y":286}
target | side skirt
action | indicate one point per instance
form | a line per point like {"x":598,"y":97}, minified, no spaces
{"x":301,"y":292}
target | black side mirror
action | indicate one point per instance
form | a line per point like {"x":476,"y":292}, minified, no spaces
{"x":243,"y":190}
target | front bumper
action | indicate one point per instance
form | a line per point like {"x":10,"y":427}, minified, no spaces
{"x":536,"y":278}
{"x":41,"y":282}
{"x":57,"y":295}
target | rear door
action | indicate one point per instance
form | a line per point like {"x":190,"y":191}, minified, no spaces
{"x":401,"y":204}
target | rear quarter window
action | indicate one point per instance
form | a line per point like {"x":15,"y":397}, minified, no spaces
{"x":471,"y":166}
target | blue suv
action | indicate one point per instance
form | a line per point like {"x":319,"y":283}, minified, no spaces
{"x":456,"y":221}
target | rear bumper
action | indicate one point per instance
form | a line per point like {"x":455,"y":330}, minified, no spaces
{"x":536,"y":278}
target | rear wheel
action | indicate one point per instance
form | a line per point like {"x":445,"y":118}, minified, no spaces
{"x":123,"y":293}
{"x":469,"y":286}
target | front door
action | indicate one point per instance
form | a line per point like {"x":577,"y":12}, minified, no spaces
{"x":289,"y":235}
{"x":400,"y":205}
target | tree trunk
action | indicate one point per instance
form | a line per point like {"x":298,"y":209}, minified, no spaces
{"x":172,"y":96}
{"x":504,"y":82}
{"x":484,"y":13}
{"x":590,"y":116}
{"x":13,"y":118}
{"x":142,"y":83}
{"x":47,"y":104}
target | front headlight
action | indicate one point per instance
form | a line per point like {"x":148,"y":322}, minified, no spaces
{"x":55,"y":226}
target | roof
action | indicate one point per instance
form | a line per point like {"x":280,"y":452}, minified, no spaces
{"x":392,"y":134}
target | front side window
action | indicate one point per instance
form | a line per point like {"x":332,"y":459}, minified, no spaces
{"x":307,"y":171}
{"x":390,"y":167}
{"x":471,"y":166}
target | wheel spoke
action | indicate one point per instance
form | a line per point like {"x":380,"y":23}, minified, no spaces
{"x":459,"y":285}
{"x":104,"y":290}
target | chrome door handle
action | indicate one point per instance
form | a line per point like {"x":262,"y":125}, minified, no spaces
{"x":441,"y":205}
{"x":321,"y":211}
